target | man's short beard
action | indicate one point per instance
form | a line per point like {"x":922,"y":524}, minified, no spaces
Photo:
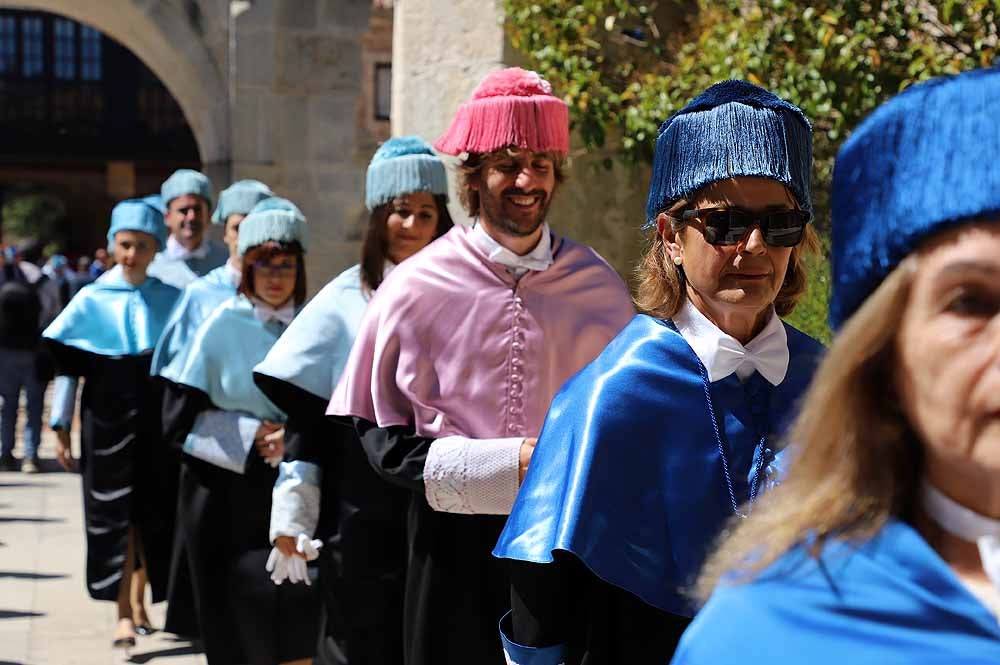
{"x":492,"y":209}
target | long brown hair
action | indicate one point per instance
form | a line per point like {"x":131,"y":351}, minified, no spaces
{"x":375,"y":246}
{"x":856,"y":460}
{"x":264,"y":253}
{"x":662,"y":289}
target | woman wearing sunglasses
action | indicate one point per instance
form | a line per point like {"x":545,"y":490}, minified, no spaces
{"x":883,"y":545}
{"x":233,"y":439}
{"x":674,"y":428}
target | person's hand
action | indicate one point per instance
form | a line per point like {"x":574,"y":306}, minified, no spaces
{"x":64,"y":451}
{"x":286,"y":545}
{"x":270,"y":442}
{"x":527,"y":448}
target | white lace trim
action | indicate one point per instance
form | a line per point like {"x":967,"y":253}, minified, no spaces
{"x":295,"y":500}
{"x":472,"y":476}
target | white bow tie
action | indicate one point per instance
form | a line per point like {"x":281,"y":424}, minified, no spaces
{"x":770,"y":360}
{"x":968,"y":525}
{"x":265,"y":313}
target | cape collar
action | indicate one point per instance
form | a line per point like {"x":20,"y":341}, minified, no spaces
{"x":722,"y":354}
{"x":540,"y":258}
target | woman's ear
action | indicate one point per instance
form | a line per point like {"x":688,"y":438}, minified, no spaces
{"x":671,"y":240}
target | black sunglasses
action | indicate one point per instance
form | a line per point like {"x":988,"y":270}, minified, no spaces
{"x":728,"y":226}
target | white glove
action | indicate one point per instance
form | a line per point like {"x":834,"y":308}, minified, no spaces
{"x":273,"y":461}
{"x":293,"y":568}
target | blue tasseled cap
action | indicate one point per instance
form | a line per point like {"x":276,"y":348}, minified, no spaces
{"x":278,"y":203}
{"x":920,"y":163}
{"x":732,"y":129}
{"x":282,"y":226}
{"x":401,"y":165}
{"x":187,"y":181}
{"x":239,"y":199}
{"x":138,"y":215}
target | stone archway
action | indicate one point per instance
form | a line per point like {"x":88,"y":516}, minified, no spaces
{"x":164,"y":37}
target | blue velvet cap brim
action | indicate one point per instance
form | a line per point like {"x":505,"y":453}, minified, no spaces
{"x":389,"y":178}
{"x":920,"y":163}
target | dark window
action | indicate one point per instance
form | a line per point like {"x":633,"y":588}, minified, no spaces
{"x":32,"y":47}
{"x":90,"y":54}
{"x":8,"y":45}
{"x":383,"y":90}
{"x":64,"y":49}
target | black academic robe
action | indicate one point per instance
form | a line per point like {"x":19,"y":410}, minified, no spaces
{"x":362,"y":522}
{"x":129,"y":475}
{"x":223,"y":520}
{"x":455,"y":589}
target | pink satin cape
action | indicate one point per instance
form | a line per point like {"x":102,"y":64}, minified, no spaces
{"x":453,"y":344}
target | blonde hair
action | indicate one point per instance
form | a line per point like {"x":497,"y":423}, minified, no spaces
{"x":856,"y":461}
{"x":661,"y":290}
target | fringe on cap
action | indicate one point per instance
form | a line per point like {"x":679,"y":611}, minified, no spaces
{"x":239,"y":199}
{"x":271,"y":226}
{"x":732,"y":129}
{"x":402,"y":165}
{"x":278,"y":203}
{"x":511,"y":107}
{"x":921,"y":163}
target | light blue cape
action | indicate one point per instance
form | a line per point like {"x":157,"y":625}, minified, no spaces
{"x":889,"y":600}
{"x":312,"y":353}
{"x":114,"y":318}
{"x":196,"y":303}
{"x":222,"y":369}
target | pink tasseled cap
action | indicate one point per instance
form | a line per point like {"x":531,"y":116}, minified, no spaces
{"x":512,"y":106}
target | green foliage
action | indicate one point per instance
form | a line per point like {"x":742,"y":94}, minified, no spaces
{"x":34,"y":216}
{"x":624,"y":66}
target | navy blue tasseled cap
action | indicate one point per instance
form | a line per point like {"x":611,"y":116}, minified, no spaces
{"x":733,"y":129}
{"x":922,"y":162}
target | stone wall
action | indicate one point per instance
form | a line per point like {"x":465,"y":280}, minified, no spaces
{"x":298,"y":118}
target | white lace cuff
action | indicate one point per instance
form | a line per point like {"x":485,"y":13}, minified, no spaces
{"x":222,"y":438}
{"x":472,"y":476}
{"x":295,"y":499}
{"x":63,"y":402}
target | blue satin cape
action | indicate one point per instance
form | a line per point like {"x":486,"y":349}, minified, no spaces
{"x":627,"y":474}
{"x":196,"y":303}
{"x":312,"y":353}
{"x":114,"y":318}
{"x":891,"y":599}
{"x":221,"y":358}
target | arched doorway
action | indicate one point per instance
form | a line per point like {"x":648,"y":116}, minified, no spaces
{"x":84,"y":123}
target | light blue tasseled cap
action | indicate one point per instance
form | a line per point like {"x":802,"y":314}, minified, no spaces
{"x":281,"y":226}
{"x":733,"y":129}
{"x":239,"y":199}
{"x":402,"y":165}
{"x":278,"y":203}
{"x":138,"y":215}
{"x":156,"y":201}
{"x":187,"y":181}
{"x":922,"y":162}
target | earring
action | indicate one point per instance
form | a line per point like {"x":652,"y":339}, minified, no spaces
{"x":678,"y":260}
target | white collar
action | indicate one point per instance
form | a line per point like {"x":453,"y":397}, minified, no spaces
{"x":175,"y":250}
{"x":539,"y":258}
{"x":235,"y":274}
{"x":968,"y":525}
{"x":722,"y":354}
{"x":265,"y":312}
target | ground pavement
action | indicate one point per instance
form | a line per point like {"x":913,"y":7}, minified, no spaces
{"x":46,"y":616}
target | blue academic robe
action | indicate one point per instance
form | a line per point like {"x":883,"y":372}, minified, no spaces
{"x":197,"y":301}
{"x":106,"y":335}
{"x":891,"y":599}
{"x":627,"y":475}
